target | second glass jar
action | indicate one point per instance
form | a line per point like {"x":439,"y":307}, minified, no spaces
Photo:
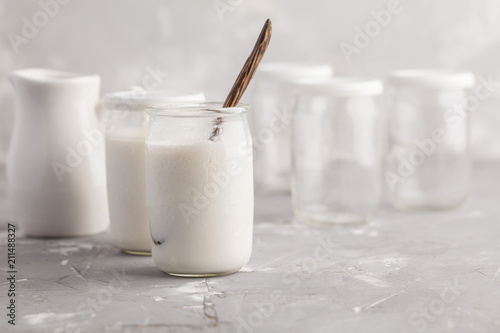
{"x":336,"y":150}
{"x":126,"y":126}
{"x":428,"y":162}
{"x":271,"y":120}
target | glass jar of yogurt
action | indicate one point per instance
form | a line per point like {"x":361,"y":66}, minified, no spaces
{"x":126,"y":126}
{"x":199,"y":181}
{"x":428,"y":165}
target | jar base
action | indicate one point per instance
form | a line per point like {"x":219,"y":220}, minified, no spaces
{"x":428,"y":206}
{"x":137,"y":253}
{"x":36,"y":234}
{"x":188,"y":275}
{"x":334,"y":219}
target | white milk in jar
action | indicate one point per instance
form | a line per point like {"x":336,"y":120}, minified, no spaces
{"x":199,"y":191}
{"x":125,"y":153}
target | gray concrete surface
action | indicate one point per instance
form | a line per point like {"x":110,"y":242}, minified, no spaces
{"x":421,"y":272}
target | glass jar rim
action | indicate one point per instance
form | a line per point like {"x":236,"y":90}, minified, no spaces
{"x":139,"y":99}
{"x":197,"y":109}
{"x":432,"y":78}
{"x":340,"y":86}
{"x":294,"y":70}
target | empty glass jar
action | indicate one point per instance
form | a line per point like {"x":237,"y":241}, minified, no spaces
{"x":428,"y":161}
{"x":271,"y":118}
{"x":336,"y":150}
{"x":126,"y":127}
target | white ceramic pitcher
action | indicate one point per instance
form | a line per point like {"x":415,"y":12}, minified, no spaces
{"x":55,"y":166}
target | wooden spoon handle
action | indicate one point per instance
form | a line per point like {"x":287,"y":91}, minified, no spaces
{"x":246,"y":73}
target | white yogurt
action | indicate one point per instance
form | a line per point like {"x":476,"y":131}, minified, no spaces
{"x":126,"y":128}
{"x":125,"y":150}
{"x":200,"y":206}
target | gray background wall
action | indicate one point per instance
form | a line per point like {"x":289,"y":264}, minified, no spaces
{"x":201,"y":44}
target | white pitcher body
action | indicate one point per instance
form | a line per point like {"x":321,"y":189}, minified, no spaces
{"x":56,"y":166}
